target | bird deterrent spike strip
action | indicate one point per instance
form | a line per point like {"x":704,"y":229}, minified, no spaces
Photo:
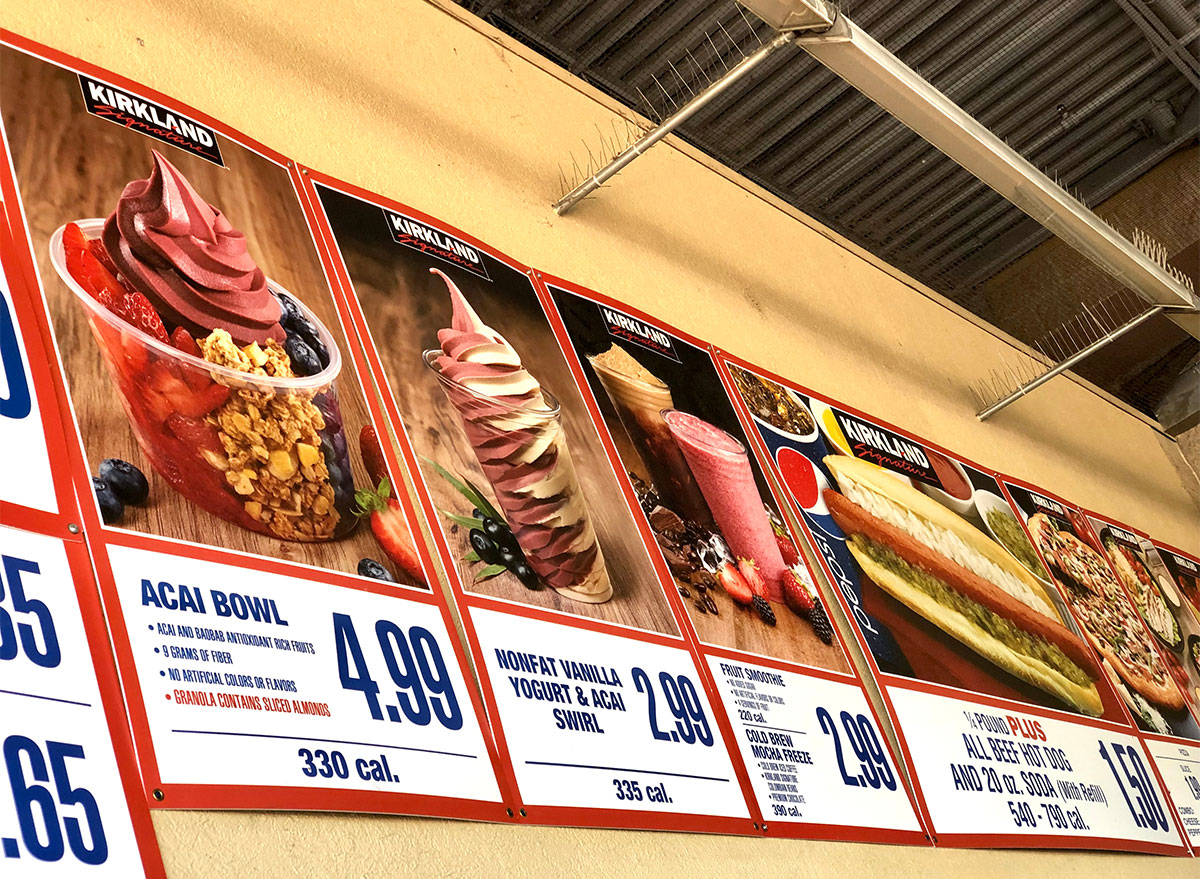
{"x":698,"y":79}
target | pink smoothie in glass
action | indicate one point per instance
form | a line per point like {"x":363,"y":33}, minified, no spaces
{"x":722,"y":470}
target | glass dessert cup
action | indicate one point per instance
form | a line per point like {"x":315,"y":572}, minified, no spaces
{"x":640,"y":405}
{"x":267,"y":454}
{"x":524,"y":455}
{"x":721,"y":467}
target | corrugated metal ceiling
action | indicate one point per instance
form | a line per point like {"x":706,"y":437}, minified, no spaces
{"x":1096,"y":92}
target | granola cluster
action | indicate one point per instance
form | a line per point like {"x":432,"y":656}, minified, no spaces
{"x":272,"y":444}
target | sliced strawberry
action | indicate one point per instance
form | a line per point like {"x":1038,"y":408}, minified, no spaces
{"x":97,"y":249}
{"x":390,"y":527}
{"x":734,"y":583}
{"x":748,"y":568}
{"x":196,"y":433}
{"x":197,"y":403}
{"x":135,"y":309}
{"x":183,"y":340}
{"x":92,"y":273}
{"x":372,"y":454}
{"x":796,"y":594}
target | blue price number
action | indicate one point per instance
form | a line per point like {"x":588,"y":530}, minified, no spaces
{"x":17,"y":630}
{"x":874,"y":771}
{"x":42,"y":829}
{"x":17,"y":403}
{"x":415,"y":664}
{"x":691,"y":724}
{"x":1022,"y":814}
{"x":1194,"y":786}
{"x":326,"y":764}
{"x":628,"y":790}
{"x":1144,"y":805}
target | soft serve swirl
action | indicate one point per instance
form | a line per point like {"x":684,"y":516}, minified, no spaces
{"x":523,"y":451}
{"x":188,"y":260}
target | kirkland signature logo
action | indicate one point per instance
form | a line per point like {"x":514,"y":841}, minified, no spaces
{"x":417,"y":235}
{"x":622,"y":326}
{"x":154,"y":120}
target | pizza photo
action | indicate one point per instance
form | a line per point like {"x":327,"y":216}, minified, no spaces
{"x":1106,"y":616}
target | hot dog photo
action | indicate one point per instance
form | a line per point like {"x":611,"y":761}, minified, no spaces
{"x":935,"y":569}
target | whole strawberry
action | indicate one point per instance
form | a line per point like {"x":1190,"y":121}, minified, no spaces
{"x":734,"y":583}
{"x":748,"y":568}
{"x":787,"y":549}
{"x":372,"y":454}
{"x":796,"y":594}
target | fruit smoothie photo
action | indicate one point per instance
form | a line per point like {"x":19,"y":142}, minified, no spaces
{"x":711,"y":509}
{"x":201,"y":346}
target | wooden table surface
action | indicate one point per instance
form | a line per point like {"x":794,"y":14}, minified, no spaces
{"x":405,"y":306}
{"x":71,"y":165}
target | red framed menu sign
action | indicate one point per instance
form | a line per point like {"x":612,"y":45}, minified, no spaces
{"x":264,"y":582}
{"x":30,"y":497}
{"x":594,"y":695}
{"x":70,"y":803}
{"x":817,"y":759}
{"x":1175,"y":581}
{"x":998,"y":703}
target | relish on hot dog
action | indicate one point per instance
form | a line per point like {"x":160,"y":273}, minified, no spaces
{"x":943,"y":568}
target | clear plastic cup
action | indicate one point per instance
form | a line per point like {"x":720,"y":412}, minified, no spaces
{"x":525,"y":458}
{"x":640,"y":405}
{"x":721,"y":466}
{"x":268,"y":454}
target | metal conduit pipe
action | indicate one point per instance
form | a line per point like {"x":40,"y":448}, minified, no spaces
{"x":992,"y":106}
{"x":1133,"y":89}
{"x":950,"y":44}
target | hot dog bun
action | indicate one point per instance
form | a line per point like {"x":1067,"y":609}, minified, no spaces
{"x":1021,"y":584}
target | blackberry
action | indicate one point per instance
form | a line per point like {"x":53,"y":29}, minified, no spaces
{"x":820,"y":622}
{"x":765,"y":613}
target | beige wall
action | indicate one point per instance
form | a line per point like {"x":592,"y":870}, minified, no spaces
{"x":440,"y":114}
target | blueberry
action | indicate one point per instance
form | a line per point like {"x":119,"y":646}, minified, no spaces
{"x":484,"y":547}
{"x":288,"y":309}
{"x":304,"y":361}
{"x":111,"y":508}
{"x":374,"y":570}
{"x":127,"y":482}
{"x":526,"y":575}
{"x":301,"y":326}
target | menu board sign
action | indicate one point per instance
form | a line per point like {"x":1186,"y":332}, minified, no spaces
{"x":29,"y":495}
{"x":594,"y":695}
{"x":70,"y":803}
{"x":999,"y":703}
{"x":1175,"y":577}
{"x":817,"y":759}
{"x":257,"y":555}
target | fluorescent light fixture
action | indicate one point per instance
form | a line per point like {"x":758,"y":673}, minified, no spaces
{"x":853,"y":55}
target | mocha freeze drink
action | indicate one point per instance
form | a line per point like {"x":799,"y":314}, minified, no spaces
{"x":515,"y":431}
{"x":640,"y":398}
{"x":722,"y":469}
